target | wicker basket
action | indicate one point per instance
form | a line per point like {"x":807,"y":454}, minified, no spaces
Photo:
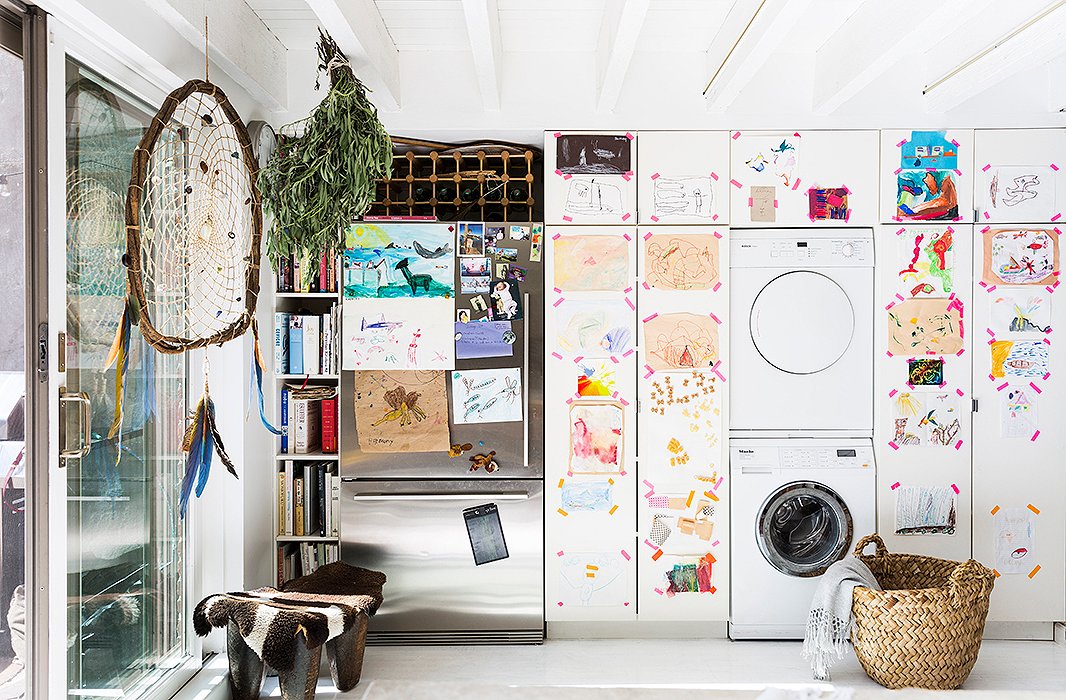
{"x":924,"y":629}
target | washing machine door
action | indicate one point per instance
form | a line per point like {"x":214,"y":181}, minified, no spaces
{"x":803,"y":527}
{"x":802,"y":322}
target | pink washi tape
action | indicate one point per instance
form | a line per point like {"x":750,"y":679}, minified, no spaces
{"x":893,"y":393}
{"x":736,"y":184}
{"x":898,"y":145}
{"x":625,"y":217}
{"x":648,"y":318}
{"x":1035,"y":436}
{"x":655,"y":176}
{"x":736,"y":135}
{"x":954,"y":487}
{"x":625,"y":554}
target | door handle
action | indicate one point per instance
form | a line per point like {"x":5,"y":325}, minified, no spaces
{"x":85,"y":418}
{"x":440,"y":497}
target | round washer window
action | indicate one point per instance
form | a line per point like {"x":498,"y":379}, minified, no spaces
{"x":803,"y":527}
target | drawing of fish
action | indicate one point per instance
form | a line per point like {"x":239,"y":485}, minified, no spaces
{"x":438,"y":252}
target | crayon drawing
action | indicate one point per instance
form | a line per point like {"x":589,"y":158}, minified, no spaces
{"x":487,"y":396}
{"x":919,"y":326}
{"x":925,"y":419}
{"x":1020,"y":256}
{"x":586,"y":496}
{"x":680,"y":341}
{"x":597,"y":379}
{"x":401,"y":411}
{"x":594,"y":328}
{"x":1021,"y":311}
{"x":1021,"y":193}
{"x":683,"y":196}
{"x":924,"y":195}
{"x":1020,"y":358}
{"x":590,"y":579}
{"x":399,"y":260}
{"x":1013,"y":536}
{"x":1019,"y":413}
{"x":398,"y":334}
{"x":596,"y":437}
{"x":922,"y":510}
{"x":592,"y":263}
{"x":681,"y":262}
{"x":927,"y":262}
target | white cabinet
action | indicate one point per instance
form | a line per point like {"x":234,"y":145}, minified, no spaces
{"x":1018,"y":178}
{"x":683,"y":177}
{"x":927,"y":176}
{"x":590,"y":177}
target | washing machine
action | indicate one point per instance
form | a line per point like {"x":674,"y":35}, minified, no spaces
{"x":798,"y":505}
{"x":801,"y":348}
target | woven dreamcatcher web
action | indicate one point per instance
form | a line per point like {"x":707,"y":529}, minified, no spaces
{"x":193,"y":230}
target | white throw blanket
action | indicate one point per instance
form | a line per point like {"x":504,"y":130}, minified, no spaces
{"x":829,"y":622}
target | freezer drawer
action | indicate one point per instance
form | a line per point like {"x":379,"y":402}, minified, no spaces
{"x":414,"y":531}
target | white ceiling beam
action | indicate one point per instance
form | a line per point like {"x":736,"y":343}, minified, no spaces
{"x":1028,"y":46}
{"x":1056,"y":86}
{"x":483,"y":28}
{"x":358,"y":29}
{"x":873,"y":39}
{"x":619,"y":31}
{"x":752,"y":32}
{"x":239,"y":44}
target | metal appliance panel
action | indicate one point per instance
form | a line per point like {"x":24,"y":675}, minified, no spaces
{"x":414,"y":531}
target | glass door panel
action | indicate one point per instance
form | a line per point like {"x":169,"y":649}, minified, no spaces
{"x":126,"y":551}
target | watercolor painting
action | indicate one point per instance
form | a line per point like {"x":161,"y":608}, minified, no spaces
{"x":926,"y":195}
{"x":922,"y":510}
{"x":1020,"y":256}
{"x":1019,"y":419}
{"x":1021,"y":193}
{"x":930,"y":262}
{"x":683,"y":196}
{"x":1014,"y":531}
{"x":593,"y":579}
{"x":920,"y":326}
{"x":1021,"y":311}
{"x":1020,"y":358}
{"x":487,"y":396}
{"x":776,"y":156}
{"x":929,"y":149}
{"x":390,"y":260}
{"x":591,"y":263}
{"x":596,"y":437}
{"x":598,"y":379}
{"x":401,"y":411}
{"x":398,"y":334}
{"x":594,"y":328}
{"x":687,"y":262}
{"x":680,"y":341}
{"x":586,"y":496}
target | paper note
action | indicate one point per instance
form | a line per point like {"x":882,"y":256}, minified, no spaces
{"x":762,"y":203}
{"x":487,"y":396}
{"x":483,"y":339}
{"x":401,"y":411}
{"x":1013,"y":530}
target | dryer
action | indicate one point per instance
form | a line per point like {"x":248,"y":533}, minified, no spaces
{"x":798,"y":505}
{"x":801,"y":349}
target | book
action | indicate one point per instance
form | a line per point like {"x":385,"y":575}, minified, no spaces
{"x":282,"y":496}
{"x":307,"y":414}
{"x":284,"y":421}
{"x":327,"y":346}
{"x":312,"y":344}
{"x":310,"y":499}
{"x":290,"y":503}
{"x":323,"y":265}
{"x":329,"y":425}
{"x":322,"y":496}
{"x":281,"y":342}
{"x":296,"y":345}
{"x":298,"y":510}
{"x":335,"y":505}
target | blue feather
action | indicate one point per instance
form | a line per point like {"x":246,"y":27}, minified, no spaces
{"x":207,"y":446}
{"x":257,"y":369}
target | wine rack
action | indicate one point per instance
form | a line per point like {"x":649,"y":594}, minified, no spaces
{"x":462,"y":182}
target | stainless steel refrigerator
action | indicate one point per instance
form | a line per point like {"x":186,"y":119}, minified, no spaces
{"x":403,"y":513}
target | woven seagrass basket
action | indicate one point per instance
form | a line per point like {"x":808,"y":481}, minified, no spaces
{"x":924,"y":629}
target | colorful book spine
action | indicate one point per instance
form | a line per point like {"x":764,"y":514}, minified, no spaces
{"x":321,"y":481}
{"x":282,"y":495}
{"x":329,"y":425}
{"x":296,"y":345}
{"x":281,"y":342}
{"x":312,"y":343}
{"x":298,"y":511}
{"x":285,"y":421}
{"x":290,"y":501}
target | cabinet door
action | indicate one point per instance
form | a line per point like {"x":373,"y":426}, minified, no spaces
{"x":590,"y":177}
{"x":683,"y":177}
{"x":1017,"y":178}
{"x":1019,"y":504}
{"x":927,"y":176}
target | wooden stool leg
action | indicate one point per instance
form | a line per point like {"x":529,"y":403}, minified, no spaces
{"x":245,"y":666}
{"x":298,"y":683}
{"x":345,"y":653}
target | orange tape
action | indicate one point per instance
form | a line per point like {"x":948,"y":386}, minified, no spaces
{"x":691,"y":495}
{"x":562,"y":512}
{"x":561,"y":482}
{"x":711,"y":495}
{"x":1033,"y":508}
{"x":658,"y":553}
{"x":613,"y":509}
{"x":995,"y":510}
{"x":1035,"y":571}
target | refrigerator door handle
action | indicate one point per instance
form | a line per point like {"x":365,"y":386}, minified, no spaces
{"x":525,"y":381}
{"x":476,"y":496}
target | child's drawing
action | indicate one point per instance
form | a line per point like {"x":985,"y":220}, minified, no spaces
{"x":1019,"y":412}
{"x":597,"y":379}
{"x":594,"y":328}
{"x":926,"y":262}
{"x":399,"y":260}
{"x":596,"y":437}
{"x":1019,"y":358}
{"x":774,"y":155}
{"x":589,"y":579}
{"x":398,"y":334}
{"x":591,"y":263}
{"x":680,"y":341}
{"x":922,"y":510}
{"x":1021,"y":311}
{"x":486,"y":396}
{"x":683,"y":196}
{"x":1014,"y":531}
{"x":401,"y":411}
{"x":586,"y":496}
{"x":1020,"y":256}
{"x":681,"y":262}
{"x":1021,"y":193}
{"x":919,"y":326}
{"x":689,"y":576}
{"x":590,"y":197}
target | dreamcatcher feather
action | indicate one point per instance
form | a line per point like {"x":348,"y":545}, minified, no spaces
{"x":194,"y":225}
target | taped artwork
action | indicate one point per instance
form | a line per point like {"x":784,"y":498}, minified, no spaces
{"x":487,"y":396}
{"x":592,"y":198}
{"x":683,"y":196}
{"x":825,"y":204}
{"x":681,"y":262}
{"x":596,"y":380}
{"x":681,"y":523}
{"x":593,"y":154}
{"x":480,"y":339}
{"x":920,"y":326}
{"x":925,"y":372}
{"x":1023,"y":193}
{"x":774,"y":155}
{"x":682,"y":426}
{"x":922,"y":510}
{"x":929,"y":149}
{"x":926,"y":419}
{"x":1020,"y":256}
{"x":762,"y":203}
{"x":594,"y":328}
{"x":398,"y":334}
{"x":1019,"y":358}
{"x":1019,"y":413}
{"x":1013,"y":536}
{"x":596,"y":437}
{"x":592,"y":263}
{"x":593,"y":579}
{"x":588,"y":496}
{"x":401,"y":411}
{"x":690,"y":576}
{"x":924,"y":195}
{"x":399,"y":260}
{"x":680,"y":341}
{"x":930,"y":257}
{"x":1021,"y":311}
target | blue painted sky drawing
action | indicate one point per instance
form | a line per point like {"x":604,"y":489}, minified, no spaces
{"x":409,"y":260}
{"x":929,"y":149}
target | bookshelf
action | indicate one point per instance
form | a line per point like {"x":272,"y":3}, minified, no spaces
{"x":300,"y":303}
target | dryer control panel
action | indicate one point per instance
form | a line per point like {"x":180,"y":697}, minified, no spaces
{"x":748,"y":249}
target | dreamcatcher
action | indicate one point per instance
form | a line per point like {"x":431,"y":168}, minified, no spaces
{"x":193,"y":229}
